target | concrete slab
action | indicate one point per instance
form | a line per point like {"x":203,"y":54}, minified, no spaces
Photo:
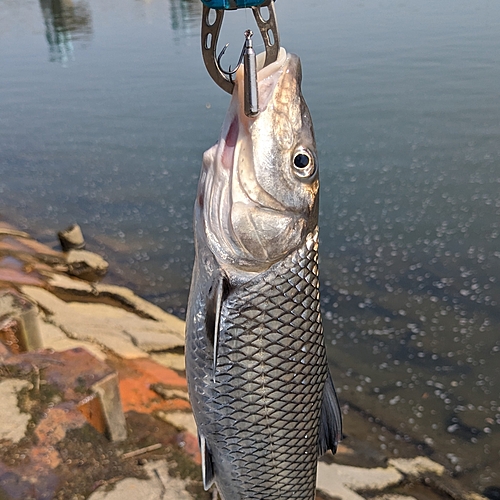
{"x":151,"y":341}
{"x":113,"y":327}
{"x":54,"y":338}
{"x":159,"y":486}
{"x":87,"y":265}
{"x":170,"y":360}
{"x":417,"y":467}
{"x":174,"y":488}
{"x":334,"y":488}
{"x":64,"y":285}
{"x":130,"y":489}
{"x":13,"y":423}
{"x":394,"y":497}
{"x":343,"y":481}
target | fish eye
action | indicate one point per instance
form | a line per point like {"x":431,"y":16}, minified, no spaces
{"x":304,"y":165}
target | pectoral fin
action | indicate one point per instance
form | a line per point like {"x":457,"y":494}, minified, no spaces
{"x":217,"y":295}
{"x":207,"y":465}
{"x":330,"y":429}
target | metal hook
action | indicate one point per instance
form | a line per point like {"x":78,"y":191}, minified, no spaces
{"x":210,"y":34}
{"x":230,"y":72}
{"x":248,"y":58}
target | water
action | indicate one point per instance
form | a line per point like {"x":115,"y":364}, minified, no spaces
{"x":106,"y":110}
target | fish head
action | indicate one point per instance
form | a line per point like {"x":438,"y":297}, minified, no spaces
{"x":258,"y":194}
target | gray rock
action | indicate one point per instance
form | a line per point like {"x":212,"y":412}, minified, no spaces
{"x":71,"y":238}
{"x":86,"y":265}
{"x":394,"y":497}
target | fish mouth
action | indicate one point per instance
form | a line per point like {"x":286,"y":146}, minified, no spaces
{"x":237,"y":150}
{"x":247,"y":226}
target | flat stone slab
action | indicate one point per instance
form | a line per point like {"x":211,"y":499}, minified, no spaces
{"x":54,"y":338}
{"x":125,"y":333}
{"x":86,"y":264}
{"x":61,"y":284}
{"x":159,"y":486}
{"x":170,"y":360}
{"x":13,"y":423}
{"x":345,"y":481}
{"x":394,"y":497}
{"x":417,"y":467}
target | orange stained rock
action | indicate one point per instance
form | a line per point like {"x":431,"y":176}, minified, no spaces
{"x":44,"y":458}
{"x":136,"y":377}
{"x":57,"y":422}
{"x":4,"y":352}
{"x":50,"y":430}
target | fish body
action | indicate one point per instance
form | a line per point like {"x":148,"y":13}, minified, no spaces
{"x":258,"y":378}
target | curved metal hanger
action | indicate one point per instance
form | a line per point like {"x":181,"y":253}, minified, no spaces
{"x":210,"y":35}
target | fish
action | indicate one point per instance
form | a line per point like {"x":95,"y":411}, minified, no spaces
{"x":259,"y":384}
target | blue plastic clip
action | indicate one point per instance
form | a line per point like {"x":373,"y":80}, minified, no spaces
{"x":232,"y":4}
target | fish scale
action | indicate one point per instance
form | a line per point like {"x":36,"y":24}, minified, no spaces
{"x":252,"y":409}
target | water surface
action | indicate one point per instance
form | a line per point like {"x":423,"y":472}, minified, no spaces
{"x":106,"y":109}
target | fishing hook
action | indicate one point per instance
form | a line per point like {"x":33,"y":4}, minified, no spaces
{"x":210,"y":30}
{"x":248,"y":59}
{"x":230,"y":72}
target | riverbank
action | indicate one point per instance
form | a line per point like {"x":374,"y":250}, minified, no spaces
{"x":93,"y":399}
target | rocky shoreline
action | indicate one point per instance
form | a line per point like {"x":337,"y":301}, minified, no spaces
{"x":93,"y":398}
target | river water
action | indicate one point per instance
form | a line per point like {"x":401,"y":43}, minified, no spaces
{"x":106,"y":109}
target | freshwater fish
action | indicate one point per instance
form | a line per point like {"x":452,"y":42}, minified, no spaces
{"x":259,"y":385}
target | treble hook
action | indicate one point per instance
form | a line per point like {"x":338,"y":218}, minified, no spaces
{"x":230,"y":72}
{"x":210,"y":30}
{"x":248,"y":59}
